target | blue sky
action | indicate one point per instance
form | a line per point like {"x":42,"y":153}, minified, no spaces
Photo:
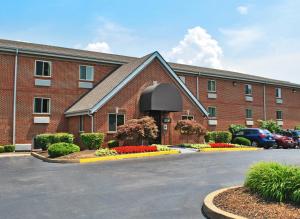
{"x":256,"y":37}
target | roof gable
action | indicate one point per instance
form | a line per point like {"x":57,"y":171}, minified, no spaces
{"x":111,"y":85}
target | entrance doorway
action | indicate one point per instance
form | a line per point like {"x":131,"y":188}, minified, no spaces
{"x":156,"y":115}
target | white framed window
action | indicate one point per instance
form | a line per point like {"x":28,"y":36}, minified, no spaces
{"x":187,"y":117}
{"x":42,"y":68}
{"x":182,"y":78}
{"x":81,"y":123}
{"x":248,"y":89}
{"x":212,"y":111}
{"x":86,"y":73}
{"x":41,"y":105}
{"x":279,"y":115}
{"x":211,"y":86}
{"x":249,"y":114}
{"x":278,"y":92}
{"x":114,"y":120}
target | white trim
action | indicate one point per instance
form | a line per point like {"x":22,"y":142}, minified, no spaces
{"x":48,"y":98}
{"x":50,"y":66}
{"x":85,"y":73}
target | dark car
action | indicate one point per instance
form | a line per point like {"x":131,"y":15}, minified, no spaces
{"x":258,"y":137}
{"x":295,"y":134}
{"x":284,"y":141}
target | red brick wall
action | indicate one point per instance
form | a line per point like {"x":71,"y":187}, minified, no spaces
{"x":128,"y":101}
{"x":63,"y":92}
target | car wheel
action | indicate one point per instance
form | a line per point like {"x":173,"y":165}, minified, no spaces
{"x":254,"y":144}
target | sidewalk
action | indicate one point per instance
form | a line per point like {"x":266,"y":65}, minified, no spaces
{"x":15,"y":154}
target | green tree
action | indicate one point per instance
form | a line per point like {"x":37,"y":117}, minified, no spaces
{"x":270,"y":125}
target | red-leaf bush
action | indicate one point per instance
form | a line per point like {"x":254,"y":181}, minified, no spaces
{"x":190,"y":127}
{"x":221,"y":145}
{"x":135,"y":149}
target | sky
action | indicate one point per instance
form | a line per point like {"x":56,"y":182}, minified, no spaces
{"x":255,"y":37}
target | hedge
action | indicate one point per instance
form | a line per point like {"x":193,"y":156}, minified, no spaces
{"x":62,"y":149}
{"x":44,"y":140}
{"x":218,"y":137}
{"x":113,"y":143}
{"x":242,"y":141}
{"x":1,"y":149}
{"x":9,"y":148}
{"x":275,"y":182}
{"x":92,"y":141}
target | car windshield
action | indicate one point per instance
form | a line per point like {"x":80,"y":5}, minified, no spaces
{"x":266,"y":132}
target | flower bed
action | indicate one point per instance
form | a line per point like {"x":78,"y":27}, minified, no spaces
{"x":135,"y":149}
{"x":221,"y":145}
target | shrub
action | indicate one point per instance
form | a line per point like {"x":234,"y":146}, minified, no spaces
{"x":162,"y":148}
{"x":45,"y":140}
{"x":197,"y":146}
{"x":92,"y":141}
{"x":242,"y":141}
{"x":105,"y":152}
{"x":62,"y":149}
{"x":190,"y":127}
{"x":297,"y":127}
{"x":270,"y":125}
{"x":274,"y":182}
{"x":141,"y":129}
{"x":135,"y":149}
{"x":233,"y":128}
{"x":113,"y":143}
{"x":9,"y":148}
{"x":1,"y":149}
{"x":218,"y":137}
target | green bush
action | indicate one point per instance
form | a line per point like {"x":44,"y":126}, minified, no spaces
{"x":233,"y":128}
{"x":162,"y":148}
{"x":241,"y":141}
{"x":275,"y":182}
{"x":9,"y":148}
{"x":105,"y":152}
{"x":270,"y":125}
{"x":297,"y":127}
{"x":218,"y":137}
{"x":113,"y":143}
{"x":1,"y":149}
{"x":45,"y":140}
{"x":92,"y":141}
{"x":62,"y":149}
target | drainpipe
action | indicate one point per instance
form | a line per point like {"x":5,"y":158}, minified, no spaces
{"x":15,"y":96}
{"x":92,"y":122}
{"x":197,"y":87}
{"x":265,"y":103}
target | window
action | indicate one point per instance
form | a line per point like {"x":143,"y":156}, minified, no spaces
{"x":212,"y":111}
{"x":278,"y":93}
{"x":86,"y":73}
{"x":81,"y":122}
{"x":248,"y":89}
{"x":42,"y":68}
{"x":182,"y":78}
{"x":279,"y":115}
{"x":187,"y":117}
{"x":248,"y":113}
{"x":41,"y":105}
{"x":211,"y":86}
{"x":114,"y":120}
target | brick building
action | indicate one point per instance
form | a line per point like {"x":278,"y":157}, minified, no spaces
{"x":53,"y":89}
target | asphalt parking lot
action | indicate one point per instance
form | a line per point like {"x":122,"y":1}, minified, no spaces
{"x":162,"y":187}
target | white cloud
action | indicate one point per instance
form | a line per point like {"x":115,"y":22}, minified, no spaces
{"x":243,"y":10}
{"x":197,"y":48}
{"x":98,"y":47}
{"x":239,"y":39}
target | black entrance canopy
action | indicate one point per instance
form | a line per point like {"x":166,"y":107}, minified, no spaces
{"x":161,"y":97}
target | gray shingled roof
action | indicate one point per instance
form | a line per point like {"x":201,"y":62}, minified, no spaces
{"x":102,"y":57}
{"x":106,"y":86}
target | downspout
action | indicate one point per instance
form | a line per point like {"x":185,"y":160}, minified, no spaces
{"x":265,"y":103}
{"x":15,"y":96}
{"x":92,"y":121}
{"x":197,"y":87}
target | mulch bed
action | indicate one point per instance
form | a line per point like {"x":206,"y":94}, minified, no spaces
{"x":77,"y":155}
{"x":242,"y":202}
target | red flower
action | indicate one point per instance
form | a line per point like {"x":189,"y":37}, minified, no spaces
{"x":221,"y":145}
{"x":135,"y":149}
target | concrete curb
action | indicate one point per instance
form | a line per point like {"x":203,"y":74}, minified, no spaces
{"x":107,"y":158}
{"x":207,"y":150}
{"x":14,"y":154}
{"x":213,"y":212}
